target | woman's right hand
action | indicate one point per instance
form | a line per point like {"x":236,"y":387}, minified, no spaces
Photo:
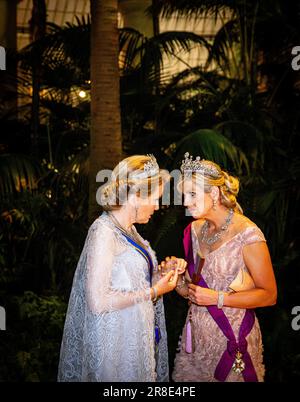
{"x":172,"y":263}
{"x":167,"y":283}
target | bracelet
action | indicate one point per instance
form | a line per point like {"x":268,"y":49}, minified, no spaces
{"x":220,"y":300}
{"x":154,"y":294}
{"x":182,"y":284}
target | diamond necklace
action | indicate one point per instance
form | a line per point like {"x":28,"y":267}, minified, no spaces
{"x":216,"y":236}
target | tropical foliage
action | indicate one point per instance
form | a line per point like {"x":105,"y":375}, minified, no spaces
{"x":241,"y":109}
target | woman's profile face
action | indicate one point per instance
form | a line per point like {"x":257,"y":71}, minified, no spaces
{"x":146,"y":206}
{"x":197,"y":202}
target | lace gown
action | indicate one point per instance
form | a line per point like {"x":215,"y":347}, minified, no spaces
{"x":220,"y":269}
{"x":109,"y":327}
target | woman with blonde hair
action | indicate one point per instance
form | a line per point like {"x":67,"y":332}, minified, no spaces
{"x":229,"y":274}
{"x":115,"y":324}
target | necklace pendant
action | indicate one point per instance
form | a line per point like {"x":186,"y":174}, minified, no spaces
{"x":211,"y":240}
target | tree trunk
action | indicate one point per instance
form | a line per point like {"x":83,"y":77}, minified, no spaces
{"x":157,"y":118}
{"x":106,"y":140}
{"x":8,"y":39}
{"x":37,"y":31}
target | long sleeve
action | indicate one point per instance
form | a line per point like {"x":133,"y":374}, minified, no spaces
{"x":109,"y":327}
{"x":103,"y":247}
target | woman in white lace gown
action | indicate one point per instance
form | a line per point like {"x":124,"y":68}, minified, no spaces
{"x":113,"y":330}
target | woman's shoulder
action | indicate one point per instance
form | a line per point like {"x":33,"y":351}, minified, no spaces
{"x":248,"y":231}
{"x":102,"y":223}
{"x":103,"y":227}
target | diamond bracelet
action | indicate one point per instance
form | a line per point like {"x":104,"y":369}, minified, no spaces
{"x":220,"y":300}
{"x":182,"y":284}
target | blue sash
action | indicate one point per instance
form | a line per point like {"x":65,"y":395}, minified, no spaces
{"x":143,"y":252}
{"x":147,"y":257}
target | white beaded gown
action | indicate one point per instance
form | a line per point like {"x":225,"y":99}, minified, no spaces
{"x":109,"y":327}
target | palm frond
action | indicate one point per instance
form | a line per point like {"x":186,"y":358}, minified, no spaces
{"x":17,"y":173}
{"x":172,"y":42}
{"x":197,"y":81}
{"x":222,"y":46}
{"x":129,"y":41}
{"x":190,"y":8}
{"x":211,"y":145}
{"x":249,"y":136}
{"x":66,"y":47}
{"x":138,"y":51}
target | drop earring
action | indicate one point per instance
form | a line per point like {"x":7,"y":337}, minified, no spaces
{"x":214,"y":204}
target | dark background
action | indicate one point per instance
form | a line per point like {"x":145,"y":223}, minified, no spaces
{"x":242,"y":112}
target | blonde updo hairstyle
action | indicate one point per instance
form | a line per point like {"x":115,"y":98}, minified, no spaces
{"x":228,"y":185}
{"x":126,"y":180}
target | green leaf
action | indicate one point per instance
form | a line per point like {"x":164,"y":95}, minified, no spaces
{"x":211,"y":145}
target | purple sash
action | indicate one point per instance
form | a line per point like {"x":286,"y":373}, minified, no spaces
{"x":227,"y":360}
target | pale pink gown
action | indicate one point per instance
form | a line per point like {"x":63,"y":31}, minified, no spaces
{"x":220,"y":269}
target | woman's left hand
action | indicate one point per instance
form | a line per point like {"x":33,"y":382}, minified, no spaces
{"x":202,"y":296}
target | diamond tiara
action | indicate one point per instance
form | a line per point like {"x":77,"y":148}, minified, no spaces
{"x":151,"y":169}
{"x":194,"y":166}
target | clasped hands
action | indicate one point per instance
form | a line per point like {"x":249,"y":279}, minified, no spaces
{"x":169,"y":270}
{"x":171,"y":267}
{"x":172,"y":264}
